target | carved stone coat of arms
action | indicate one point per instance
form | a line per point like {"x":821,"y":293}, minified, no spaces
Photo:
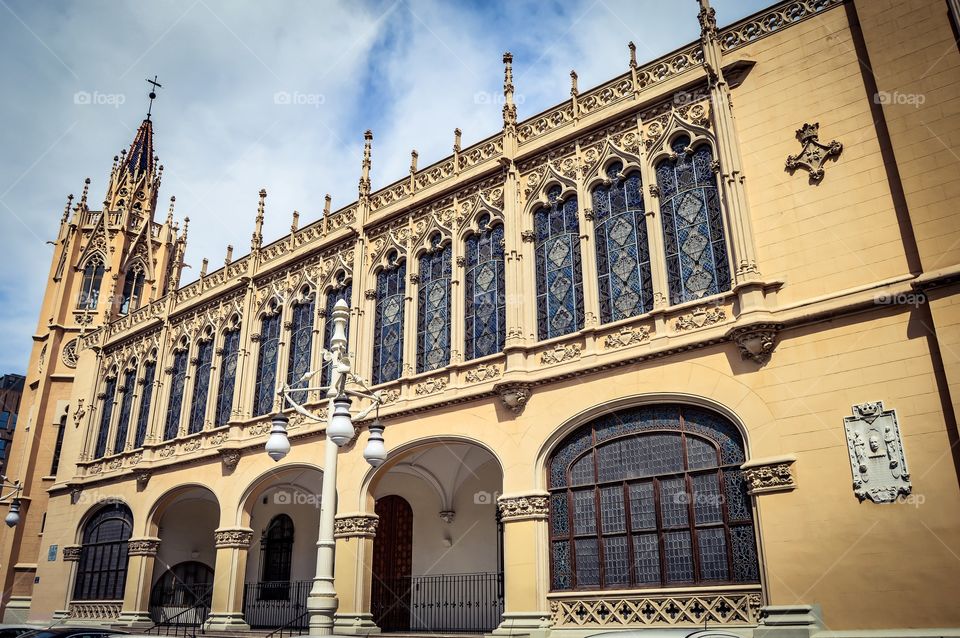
{"x":876,"y":454}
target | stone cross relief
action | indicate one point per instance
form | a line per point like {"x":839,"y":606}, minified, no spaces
{"x":877,"y":462}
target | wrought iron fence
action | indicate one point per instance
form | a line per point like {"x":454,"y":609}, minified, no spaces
{"x":276,"y":603}
{"x":450,"y":603}
{"x":181,"y":605}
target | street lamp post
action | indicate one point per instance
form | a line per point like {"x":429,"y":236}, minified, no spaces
{"x":13,"y":516}
{"x":322,"y":601}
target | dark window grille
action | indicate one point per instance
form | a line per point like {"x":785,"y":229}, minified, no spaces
{"x":90,"y":286}
{"x":277,"y":558}
{"x":433,"y":318}
{"x":132,"y":290}
{"x":178,"y":381}
{"x":558,"y":270}
{"x":266,"y":385}
{"x":343,"y":289}
{"x":58,"y":446}
{"x":301,"y":345}
{"x":228,"y":376}
{"x":102,"y":570}
{"x":388,"y":322}
{"x":106,"y":411}
{"x":126,"y":405}
{"x":201,"y":386}
{"x":143,"y":413}
{"x":485,"y":292}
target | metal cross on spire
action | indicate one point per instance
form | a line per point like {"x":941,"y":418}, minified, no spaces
{"x":153,"y":93}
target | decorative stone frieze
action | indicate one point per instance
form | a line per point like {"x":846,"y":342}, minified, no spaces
{"x":877,"y":460}
{"x":773,"y":474}
{"x":756,"y":342}
{"x":431,"y":386}
{"x":524,"y":507}
{"x":625,"y":337}
{"x":814,"y":153}
{"x":561,"y":353}
{"x":230,"y":457}
{"x":389,"y":396}
{"x":482,"y":372}
{"x":71,"y":553}
{"x":235,"y":537}
{"x":95,"y":609}
{"x":699,"y":318}
{"x":514,"y":395}
{"x":355,"y":526}
{"x":143,"y":546}
{"x":734,"y":607}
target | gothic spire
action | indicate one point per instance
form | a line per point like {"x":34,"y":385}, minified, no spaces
{"x":509,"y":108}
{"x":367,"y":162}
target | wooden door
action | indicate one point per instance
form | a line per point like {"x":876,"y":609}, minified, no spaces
{"x":392,"y":564}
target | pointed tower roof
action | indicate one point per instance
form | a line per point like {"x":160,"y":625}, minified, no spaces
{"x":140,"y":156}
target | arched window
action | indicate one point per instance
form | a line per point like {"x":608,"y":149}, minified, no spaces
{"x":559,"y":276}
{"x":228,"y":376}
{"x":143,"y":413}
{"x":90,"y":286}
{"x":342,"y":289}
{"x":485,"y":292}
{"x":178,"y":381}
{"x":201,"y":385}
{"x":623,"y":254}
{"x":693,"y":236}
{"x":651,"y":497}
{"x":102,"y":570}
{"x":433,"y":320}
{"x":266,"y":386}
{"x":132,"y":289}
{"x":301,"y":343}
{"x":388,"y":321}
{"x":277,"y":554}
{"x":106,"y":411}
{"x":126,"y":407}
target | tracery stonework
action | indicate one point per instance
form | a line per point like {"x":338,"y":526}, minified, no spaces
{"x":356,"y":526}
{"x":523,"y":508}
{"x":237,"y":537}
{"x":143,"y":546}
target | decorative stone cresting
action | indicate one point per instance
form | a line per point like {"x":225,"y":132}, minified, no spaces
{"x":814,"y":153}
{"x":355,"y":526}
{"x":236,"y":537}
{"x":71,"y":552}
{"x":756,"y":342}
{"x":774,"y":474}
{"x":143,"y":546}
{"x":523,"y":507}
{"x":877,"y":461}
{"x":728,"y":608}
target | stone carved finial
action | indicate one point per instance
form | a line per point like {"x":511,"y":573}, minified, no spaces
{"x":756,"y":342}
{"x":877,"y":460}
{"x":366,"y":164}
{"x":509,"y":108}
{"x":514,"y":395}
{"x":574,"y":91}
{"x":708,"y":20}
{"x":355,"y":526}
{"x":814,"y":153}
{"x":457,"y":133}
{"x":633,"y":54}
{"x":256,"y":240}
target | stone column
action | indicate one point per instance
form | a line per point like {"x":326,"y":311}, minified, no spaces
{"x":354,"y":534}
{"x":226,"y":613}
{"x":526,"y":572}
{"x":141,"y":555}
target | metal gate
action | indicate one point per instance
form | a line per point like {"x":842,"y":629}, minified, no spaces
{"x":446,"y":603}
{"x":274,"y":604}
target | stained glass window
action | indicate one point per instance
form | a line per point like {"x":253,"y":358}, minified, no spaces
{"x":486,"y":299}
{"x":693,"y":234}
{"x":433,"y":321}
{"x":301,"y":344}
{"x":228,"y":376}
{"x":623,"y":254}
{"x":388,"y":322}
{"x":90,"y":286}
{"x":342,"y":290}
{"x":143,"y":414}
{"x":559,"y":277}
{"x":201,"y":386}
{"x":106,"y":411}
{"x":126,"y":406}
{"x":132,"y":289}
{"x":102,"y":570}
{"x":178,"y":381}
{"x":651,"y":496}
{"x":266,"y":386}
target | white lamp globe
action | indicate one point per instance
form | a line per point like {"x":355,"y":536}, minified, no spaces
{"x":13,"y":517}
{"x":278,"y":445}
{"x":375,"y":452}
{"x":340,"y":429}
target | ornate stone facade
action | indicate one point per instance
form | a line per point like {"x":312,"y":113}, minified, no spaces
{"x":143,"y":546}
{"x":355,"y":526}
{"x":236,"y":537}
{"x":770,"y":475}
{"x":519,"y":508}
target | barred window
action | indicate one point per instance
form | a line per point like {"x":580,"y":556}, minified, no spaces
{"x":143,"y":414}
{"x":126,"y":406}
{"x":228,"y":376}
{"x":433,"y":320}
{"x":388,"y":321}
{"x":106,"y":411}
{"x":485,"y":292}
{"x":102,"y":570}
{"x":301,"y":343}
{"x":178,"y":381}
{"x":651,"y":497}
{"x":277,"y":552}
{"x":266,"y":386}
{"x":558,"y":270}
{"x":201,"y":386}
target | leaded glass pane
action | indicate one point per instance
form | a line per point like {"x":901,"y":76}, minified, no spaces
{"x":106,"y":411}
{"x":735,"y":491}
{"x":228,"y":377}
{"x":584,"y":512}
{"x":301,"y":346}
{"x":178,"y":380}
{"x":485,"y":292}
{"x":616,"y":561}
{"x":558,"y":269}
{"x":635,"y":457}
{"x":266,"y":385}
{"x":623,"y":254}
{"x":643,"y":510}
{"x":581,"y":472}
{"x":143,"y":413}
{"x":745,"y":566}
{"x":612,"y":512}
{"x":697,"y":263}
{"x":201,"y":386}
{"x":717,"y":429}
{"x":677,"y":549}
{"x":713,"y":554}
{"x":433,"y":319}
{"x":700,"y":454}
{"x":388,"y":324}
{"x":673,"y":502}
{"x":344,"y":290}
{"x":588,"y":562}
{"x":646,"y":559}
{"x":126,"y":405}
{"x":707,"y":499}
{"x":562,"y":568}
{"x":560,"y":517}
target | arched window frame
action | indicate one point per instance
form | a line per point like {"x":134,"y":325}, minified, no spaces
{"x":484,"y":250}
{"x":133,"y":280}
{"x":202,"y":363}
{"x":228,"y":356}
{"x":548,"y":233}
{"x":268,"y":358}
{"x":731,"y":499}
{"x":670,"y":155}
{"x":178,"y":383}
{"x":107,"y":397}
{"x":434,"y":276}
{"x":93,"y":271}
{"x":391,"y":280}
{"x":340,"y":288}
{"x":127,"y":392}
{"x":148,"y":382}
{"x":276,"y":546}
{"x":102,"y":570}
{"x":302,"y":327}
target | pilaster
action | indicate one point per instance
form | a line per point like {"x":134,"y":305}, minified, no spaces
{"x":226,"y":609}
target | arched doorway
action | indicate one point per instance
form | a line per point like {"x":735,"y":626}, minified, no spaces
{"x":102,"y":570}
{"x":438,"y":550}
{"x":183,"y":586}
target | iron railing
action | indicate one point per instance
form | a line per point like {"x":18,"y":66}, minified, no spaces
{"x":447,"y":603}
{"x":180,"y":608}
{"x":276,"y":603}
{"x":296,"y":627}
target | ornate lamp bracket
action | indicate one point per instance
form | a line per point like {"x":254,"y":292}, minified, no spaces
{"x":814,"y":153}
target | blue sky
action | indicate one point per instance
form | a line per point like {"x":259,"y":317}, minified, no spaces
{"x":411,"y":71}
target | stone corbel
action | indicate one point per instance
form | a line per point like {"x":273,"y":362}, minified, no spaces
{"x":756,"y":342}
{"x":524,"y":507}
{"x":230,"y":457}
{"x":771,"y":474}
{"x":447,"y":516}
{"x":514,"y":395}
{"x":355,"y":525}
